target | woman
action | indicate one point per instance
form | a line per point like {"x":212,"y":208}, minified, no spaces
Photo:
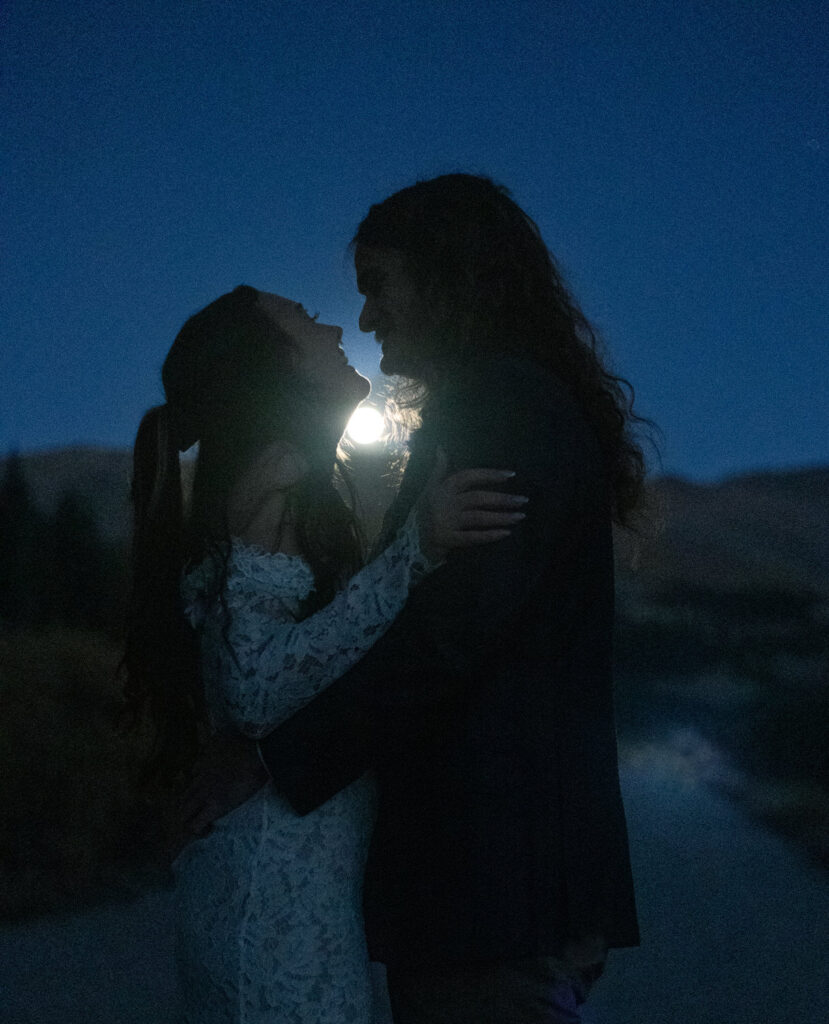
{"x":269,"y":903}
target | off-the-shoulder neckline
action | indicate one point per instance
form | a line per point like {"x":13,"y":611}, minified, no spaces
{"x":257,"y":549}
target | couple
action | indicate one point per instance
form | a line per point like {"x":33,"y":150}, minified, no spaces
{"x":436,"y":759}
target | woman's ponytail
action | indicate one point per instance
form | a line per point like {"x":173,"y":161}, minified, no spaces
{"x":160,"y":655}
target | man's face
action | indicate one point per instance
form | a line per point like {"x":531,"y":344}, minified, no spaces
{"x":392,"y":309}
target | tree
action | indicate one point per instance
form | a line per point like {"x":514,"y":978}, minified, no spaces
{"x":21,"y":565}
{"x":80,"y":589}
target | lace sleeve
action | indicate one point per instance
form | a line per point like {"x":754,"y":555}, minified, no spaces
{"x":266,"y":665}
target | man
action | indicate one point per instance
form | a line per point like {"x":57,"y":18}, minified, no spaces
{"x":498,"y":873}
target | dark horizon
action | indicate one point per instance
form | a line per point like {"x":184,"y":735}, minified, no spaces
{"x":655,"y":472}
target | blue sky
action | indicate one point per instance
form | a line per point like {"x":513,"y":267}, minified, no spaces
{"x":674,"y":154}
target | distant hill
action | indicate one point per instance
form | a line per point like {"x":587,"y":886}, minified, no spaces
{"x":760,"y":529}
{"x":766,"y":530}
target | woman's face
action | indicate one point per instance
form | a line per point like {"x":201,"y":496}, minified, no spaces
{"x":321,"y":362}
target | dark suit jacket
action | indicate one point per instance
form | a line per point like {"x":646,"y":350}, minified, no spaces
{"x":487,"y":708}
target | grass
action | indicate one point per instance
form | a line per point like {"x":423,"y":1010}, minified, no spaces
{"x":73,"y":828}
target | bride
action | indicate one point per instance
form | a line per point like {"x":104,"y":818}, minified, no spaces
{"x":243,"y":610}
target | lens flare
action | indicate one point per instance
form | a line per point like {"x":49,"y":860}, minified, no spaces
{"x":365,"y":426}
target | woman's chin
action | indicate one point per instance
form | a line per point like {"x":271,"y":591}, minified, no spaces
{"x":360,"y":389}
{"x":357,"y":389}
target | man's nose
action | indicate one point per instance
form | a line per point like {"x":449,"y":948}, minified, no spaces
{"x":368,"y":318}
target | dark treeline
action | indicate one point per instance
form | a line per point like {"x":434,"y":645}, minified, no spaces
{"x":56,"y":568}
{"x":74,"y":827}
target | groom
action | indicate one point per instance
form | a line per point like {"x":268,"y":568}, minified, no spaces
{"x":498,"y":874}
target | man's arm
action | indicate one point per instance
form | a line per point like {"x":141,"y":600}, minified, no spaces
{"x":513,"y":418}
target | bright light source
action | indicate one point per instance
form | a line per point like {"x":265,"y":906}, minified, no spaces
{"x":365,"y":426}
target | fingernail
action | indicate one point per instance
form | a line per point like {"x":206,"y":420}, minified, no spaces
{"x":519,"y":499}
{"x":517,"y":516}
{"x":507,"y":473}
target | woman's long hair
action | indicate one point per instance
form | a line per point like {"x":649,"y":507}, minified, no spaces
{"x":489,"y":284}
{"x":230,"y":384}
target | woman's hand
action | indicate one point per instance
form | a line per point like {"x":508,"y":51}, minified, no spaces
{"x":457,"y":512}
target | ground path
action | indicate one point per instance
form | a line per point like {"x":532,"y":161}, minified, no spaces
{"x":735,"y":925}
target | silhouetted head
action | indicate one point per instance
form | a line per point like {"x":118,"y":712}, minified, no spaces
{"x":453,"y":272}
{"x":253,"y":367}
{"x":452,"y":268}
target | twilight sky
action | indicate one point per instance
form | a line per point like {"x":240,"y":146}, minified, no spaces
{"x":673,"y":153}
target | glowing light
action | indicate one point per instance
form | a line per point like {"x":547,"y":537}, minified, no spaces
{"x":365,"y":426}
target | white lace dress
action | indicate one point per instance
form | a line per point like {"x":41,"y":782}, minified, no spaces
{"x":269,"y":917}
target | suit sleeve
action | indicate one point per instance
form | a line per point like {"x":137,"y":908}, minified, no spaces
{"x":421,"y":669}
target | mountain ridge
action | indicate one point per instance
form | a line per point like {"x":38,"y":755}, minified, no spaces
{"x":762,"y":528}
